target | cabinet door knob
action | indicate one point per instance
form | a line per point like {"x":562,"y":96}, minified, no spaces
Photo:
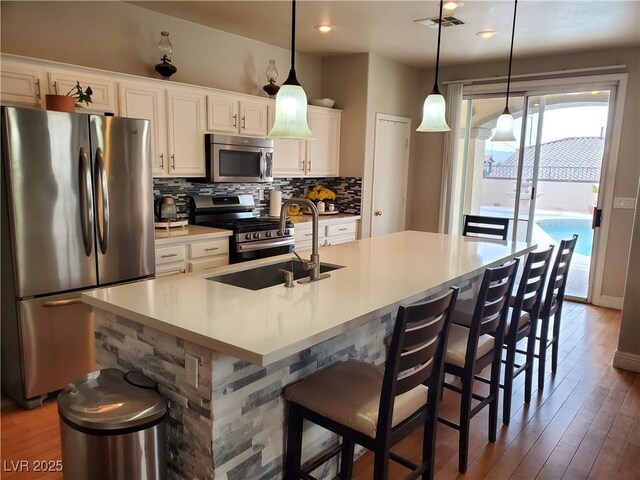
{"x":235,"y":120}
{"x":173,"y":161}
{"x":244,"y":124}
{"x":162,"y":161}
{"x":377,"y":213}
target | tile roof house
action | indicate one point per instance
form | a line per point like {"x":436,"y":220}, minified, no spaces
{"x":573,"y":159}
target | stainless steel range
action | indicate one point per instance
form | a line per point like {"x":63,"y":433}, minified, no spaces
{"x":253,"y":237}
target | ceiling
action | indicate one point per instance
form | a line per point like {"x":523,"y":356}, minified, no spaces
{"x":387,"y":27}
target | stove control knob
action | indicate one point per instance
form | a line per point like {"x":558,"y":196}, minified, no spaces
{"x":269,"y":234}
{"x":256,"y":235}
{"x":248,"y":236}
{"x":286,"y":232}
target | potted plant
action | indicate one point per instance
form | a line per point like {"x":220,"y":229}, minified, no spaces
{"x":68,"y":103}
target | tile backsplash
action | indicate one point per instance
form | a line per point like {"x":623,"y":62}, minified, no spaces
{"x":348,"y":191}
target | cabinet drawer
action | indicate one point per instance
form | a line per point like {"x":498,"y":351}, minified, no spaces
{"x":303,"y":234}
{"x":171,"y":269}
{"x":304,"y":245}
{"x":172,"y":254}
{"x":209,"y":248}
{"x":335,"y":240}
{"x":207,"y":265}
{"x":341,"y":229}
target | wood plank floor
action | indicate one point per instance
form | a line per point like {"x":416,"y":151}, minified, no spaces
{"x":585,"y":424}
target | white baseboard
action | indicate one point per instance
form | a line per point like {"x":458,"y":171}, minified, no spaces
{"x":608,"y":302}
{"x":627,"y":361}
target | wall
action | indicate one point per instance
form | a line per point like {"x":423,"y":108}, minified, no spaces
{"x":123,"y":38}
{"x":554,"y":196}
{"x":426,"y":180}
{"x":363,"y":85}
{"x":628,"y":354}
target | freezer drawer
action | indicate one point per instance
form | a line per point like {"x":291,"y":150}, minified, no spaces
{"x":58,"y":342}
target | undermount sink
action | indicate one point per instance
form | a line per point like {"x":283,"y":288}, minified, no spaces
{"x":268,"y":275}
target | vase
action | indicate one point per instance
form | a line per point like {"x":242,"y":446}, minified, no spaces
{"x":60,"y":103}
{"x":320,"y":206}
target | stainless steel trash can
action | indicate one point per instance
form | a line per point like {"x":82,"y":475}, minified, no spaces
{"x":113,"y":426}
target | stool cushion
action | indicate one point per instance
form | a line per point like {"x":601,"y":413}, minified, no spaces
{"x":349,"y":393}
{"x":463,"y":314}
{"x":457,"y":345}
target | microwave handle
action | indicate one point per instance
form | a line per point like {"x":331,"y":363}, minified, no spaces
{"x":263,"y":162}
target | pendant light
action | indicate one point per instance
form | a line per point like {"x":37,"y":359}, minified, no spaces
{"x":291,"y":101}
{"x":504,"y":125}
{"x":434,"y":105}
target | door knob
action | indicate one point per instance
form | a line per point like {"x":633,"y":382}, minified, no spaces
{"x":378,"y":213}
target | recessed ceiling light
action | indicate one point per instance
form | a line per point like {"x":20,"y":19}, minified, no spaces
{"x":485,"y":34}
{"x":324,"y":28}
{"x":451,"y":5}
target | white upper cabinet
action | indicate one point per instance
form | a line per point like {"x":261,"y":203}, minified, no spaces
{"x":148,"y":102}
{"x":288,"y":155}
{"x":222,"y":113}
{"x":21,"y":86}
{"x":180,"y":116}
{"x":186,"y":128}
{"x":313,"y":158}
{"x":323,"y":153}
{"x":103,"y":98}
{"x":228,"y":114}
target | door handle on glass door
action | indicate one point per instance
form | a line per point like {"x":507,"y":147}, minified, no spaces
{"x":377,"y":213}
{"x":102,"y":195}
{"x":86,"y":202}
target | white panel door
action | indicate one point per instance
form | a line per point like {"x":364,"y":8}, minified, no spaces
{"x":186,"y":128}
{"x":20,"y":86}
{"x":103,"y":98}
{"x":148,"y":102}
{"x":391,"y":167}
{"x":222,"y":113}
{"x":253,"y":118}
{"x":323,"y":153}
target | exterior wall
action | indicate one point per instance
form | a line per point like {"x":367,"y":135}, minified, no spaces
{"x":233,"y":425}
{"x":427,"y":182}
{"x":565,"y":196}
{"x":122,"y":37}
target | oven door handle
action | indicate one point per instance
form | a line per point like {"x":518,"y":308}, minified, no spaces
{"x":252,"y":246}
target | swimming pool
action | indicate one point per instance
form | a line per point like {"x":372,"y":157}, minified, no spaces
{"x":563,"y":229}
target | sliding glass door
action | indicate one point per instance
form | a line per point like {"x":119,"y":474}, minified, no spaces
{"x":547,"y":181}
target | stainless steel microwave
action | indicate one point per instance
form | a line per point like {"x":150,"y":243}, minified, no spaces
{"x":239,"y":159}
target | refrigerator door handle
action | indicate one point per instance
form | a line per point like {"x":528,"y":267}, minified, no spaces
{"x":102,"y":196}
{"x":62,"y":303}
{"x":86,"y":202}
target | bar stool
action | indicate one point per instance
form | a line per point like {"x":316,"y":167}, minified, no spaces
{"x":485,"y":227}
{"x":552,"y":307}
{"x":375,"y":408}
{"x":522,"y":323}
{"x":472,"y":347}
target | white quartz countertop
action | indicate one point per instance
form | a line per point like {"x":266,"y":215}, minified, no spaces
{"x":190,"y":232}
{"x":267,"y":325}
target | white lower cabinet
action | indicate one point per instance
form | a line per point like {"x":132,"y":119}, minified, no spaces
{"x":328,"y":234}
{"x":195,"y":256}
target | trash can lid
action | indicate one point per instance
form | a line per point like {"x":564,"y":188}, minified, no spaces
{"x":104,"y":400}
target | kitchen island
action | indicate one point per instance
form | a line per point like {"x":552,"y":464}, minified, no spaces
{"x":250,"y":344}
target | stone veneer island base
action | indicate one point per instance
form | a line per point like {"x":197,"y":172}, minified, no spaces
{"x":232,"y":426}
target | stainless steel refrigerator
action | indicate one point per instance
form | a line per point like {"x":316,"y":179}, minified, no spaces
{"x":77,"y":213}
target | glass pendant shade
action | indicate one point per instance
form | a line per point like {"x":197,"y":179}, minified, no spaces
{"x":291,"y":114}
{"x":504,"y":128}
{"x":164,"y":46}
{"x":433,"y":114}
